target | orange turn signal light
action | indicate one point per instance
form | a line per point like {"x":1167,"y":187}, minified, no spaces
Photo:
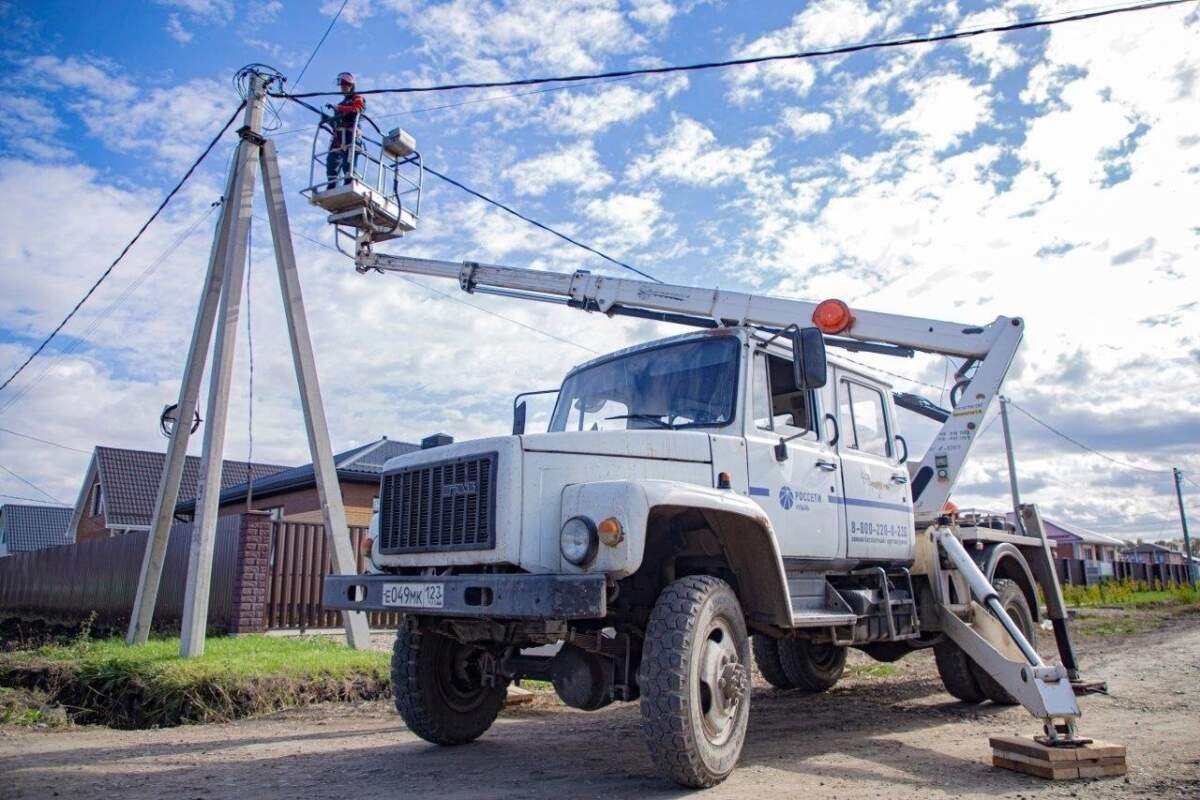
{"x":832,"y":316}
{"x":950,"y":509}
{"x":610,"y":531}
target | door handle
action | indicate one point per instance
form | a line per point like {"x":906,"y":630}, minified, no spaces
{"x":828,"y":466}
{"x":901,"y":479}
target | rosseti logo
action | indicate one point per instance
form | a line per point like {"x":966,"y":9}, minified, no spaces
{"x":787,"y":498}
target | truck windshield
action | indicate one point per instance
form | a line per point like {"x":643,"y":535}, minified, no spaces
{"x":687,"y":385}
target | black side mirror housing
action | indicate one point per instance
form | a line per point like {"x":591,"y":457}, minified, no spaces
{"x":808,"y":358}
{"x":519,"y":418}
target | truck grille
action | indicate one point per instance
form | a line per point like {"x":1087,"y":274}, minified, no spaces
{"x":448,"y":505}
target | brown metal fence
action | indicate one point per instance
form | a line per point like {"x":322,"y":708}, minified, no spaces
{"x":1075,"y":571}
{"x":300,"y":560}
{"x":65,"y":585}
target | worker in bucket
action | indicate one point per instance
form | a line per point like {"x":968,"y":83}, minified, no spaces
{"x":346,"y":144}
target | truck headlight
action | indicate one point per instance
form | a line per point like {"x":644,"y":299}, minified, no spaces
{"x":578,"y":540}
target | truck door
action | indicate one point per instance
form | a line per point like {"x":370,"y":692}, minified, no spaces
{"x":795,"y":492}
{"x":876,"y":495}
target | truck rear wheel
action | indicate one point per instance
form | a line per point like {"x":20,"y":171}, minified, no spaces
{"x":695,"y":681}
{"x":766,"y":658}
{"x":965,"y":679}
{"x":1014,"y":602}
{"x":439,"y":689}
{"x":812,"y":666}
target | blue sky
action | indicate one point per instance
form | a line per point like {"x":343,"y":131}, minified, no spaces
{"x":1047,"y":174}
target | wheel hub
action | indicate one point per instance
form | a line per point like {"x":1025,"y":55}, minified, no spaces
{"x":724,"y":683}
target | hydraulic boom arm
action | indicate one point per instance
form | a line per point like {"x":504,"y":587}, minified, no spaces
{"x":990,"y":347}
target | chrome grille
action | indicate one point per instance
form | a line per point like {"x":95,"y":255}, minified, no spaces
{"x":447,"y":505}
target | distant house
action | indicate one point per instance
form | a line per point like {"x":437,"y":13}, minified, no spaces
{"x":1073,"y":541}
{"x":24,"y":528}
{"x":1151,"y":553}
{"x":291,"y":495}
{"x":120,"y":487}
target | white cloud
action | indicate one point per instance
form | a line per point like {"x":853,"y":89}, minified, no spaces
{"x":690,"y":153}
{"x":804,"y":123}
{"x":355,"y":13}
{"x":577,"y":166}
{"x":630,"y":220}
{"x":213,"y":11}
{"x":653,"y":13}
{"x":176,"y":31}
{"x":481,"y":38}
{"x":591,"y":113}
{"x":945,"y":108}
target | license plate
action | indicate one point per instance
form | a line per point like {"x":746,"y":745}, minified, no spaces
{"x":414,"y":595}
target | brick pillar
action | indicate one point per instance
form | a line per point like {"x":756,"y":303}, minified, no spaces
{"x":252,"y":575}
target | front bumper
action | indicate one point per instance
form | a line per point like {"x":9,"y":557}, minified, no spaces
{"x":483,"y":596}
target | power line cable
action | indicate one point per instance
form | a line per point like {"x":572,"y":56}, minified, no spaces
{"x":20,"y":392}
{"x":807,"y":54}
{"x":28,"y":499}
{"x":44,"y":441}
{"x":138,"y":235}
{"x":324,"y":36}
{"x":1081,"y":445}
{"x":537,"y":224}
{"x":28,"y":482}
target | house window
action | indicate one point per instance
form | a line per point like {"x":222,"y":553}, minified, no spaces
{"x":276,"y":513}
{"x":97,"y":503}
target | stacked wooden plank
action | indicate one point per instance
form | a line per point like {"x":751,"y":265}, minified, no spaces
{"x":1093,"y":760}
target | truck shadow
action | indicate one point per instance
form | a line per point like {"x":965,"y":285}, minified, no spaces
{"x":861,"y":733}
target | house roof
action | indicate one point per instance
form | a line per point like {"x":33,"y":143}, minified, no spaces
{"x":1066,"y":530}
{"x":33,"y":527}
{"x":130,"y":481}
{"x":362,"y":464}
{"x":1150,"y":547}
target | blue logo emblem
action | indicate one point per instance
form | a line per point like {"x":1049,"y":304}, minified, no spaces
{"x":787,"y":497}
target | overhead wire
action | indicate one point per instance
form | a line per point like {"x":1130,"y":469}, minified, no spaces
{"x":28,"y":499}
{"x":324,"y":36}
{"x":795,"y":56}
{"x":460,"y":301}
{"x":1080,"y":444}
{"x":44,"y":441}
{"x":20,"y":392}
{"x":104,"y":275}
{"x":537,"y":224}
{"x":30,"y":483}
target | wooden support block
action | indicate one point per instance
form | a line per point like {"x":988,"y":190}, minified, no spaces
{"x":518,"y":696}
{"x":1055,"y":772}
{"x":1093,"y":760}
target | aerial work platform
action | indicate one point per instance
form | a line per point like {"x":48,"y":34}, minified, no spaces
{"x":371,"y":185}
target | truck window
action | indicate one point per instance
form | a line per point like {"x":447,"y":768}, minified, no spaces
{"x":790,"y":409}
{"x":688,"y":384}
{"x":860,"y":409}
{"x":762,"y":395}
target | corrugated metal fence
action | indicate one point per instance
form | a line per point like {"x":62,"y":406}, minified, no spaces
{"x":300,"y":560}
{"x":64,"y":585}
{"x":1082,"y":572}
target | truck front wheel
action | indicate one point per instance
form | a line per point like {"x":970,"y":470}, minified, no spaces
{"x":695,"y":681}
{"x":439,"y":689}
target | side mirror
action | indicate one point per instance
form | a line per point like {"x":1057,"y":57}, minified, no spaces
{"x":808,"y":358}
{"x":519,"y":418}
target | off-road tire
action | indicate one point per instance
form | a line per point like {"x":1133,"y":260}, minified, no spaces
{"x":812,"y":666}
{"x":954,"y":667}
{"x":672,"y":702}
{"x":1013,"y":600}
{"x":433,"y":703}
{"x":766,"y":658}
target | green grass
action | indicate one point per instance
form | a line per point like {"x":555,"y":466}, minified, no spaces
{"x":1130,"y":594}
{"x":30,"y":708}
{"x":135,"y":687}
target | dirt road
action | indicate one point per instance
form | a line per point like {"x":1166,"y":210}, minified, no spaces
{"x":891,"y":736}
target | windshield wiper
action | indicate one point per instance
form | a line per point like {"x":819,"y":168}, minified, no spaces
{"x":647,"y":418}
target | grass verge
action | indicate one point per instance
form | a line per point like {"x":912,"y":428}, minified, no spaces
{"x":110,"y":683}
{"x":1130,"y":594}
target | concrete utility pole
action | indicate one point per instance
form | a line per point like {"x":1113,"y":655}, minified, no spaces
{"x":1187,"y":540}
{"x":1012,"y":464}
{"x":220,"y":305}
